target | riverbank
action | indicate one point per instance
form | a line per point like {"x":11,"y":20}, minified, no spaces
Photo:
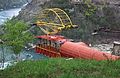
{"x":8,"y":55}
{"x":62,"y":68}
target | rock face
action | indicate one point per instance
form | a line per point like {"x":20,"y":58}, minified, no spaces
{"x":107,"y":14}
{"x":110,"y":9}
{"x":31,"y":10}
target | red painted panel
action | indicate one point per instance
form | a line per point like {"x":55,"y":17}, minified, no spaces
{"x":81,"y":50}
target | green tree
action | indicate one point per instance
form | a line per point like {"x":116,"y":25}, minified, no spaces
{"x":89,"y":8}
{"x":15,"y":35}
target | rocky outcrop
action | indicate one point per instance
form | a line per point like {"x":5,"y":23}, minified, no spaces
{"x":107,"y":14}
{"x":31,"y":10}
{"x":110,"y":8}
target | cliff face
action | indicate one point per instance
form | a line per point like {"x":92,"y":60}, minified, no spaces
{"x":106,"y":14}
{"x":110,"y":8}
{"x":31,"y":10}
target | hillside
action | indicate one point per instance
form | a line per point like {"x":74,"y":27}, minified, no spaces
{"x":61,"y":68}
{"x":89,"y":16}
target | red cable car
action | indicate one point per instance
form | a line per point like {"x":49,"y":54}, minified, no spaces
{"x":55,"y":20}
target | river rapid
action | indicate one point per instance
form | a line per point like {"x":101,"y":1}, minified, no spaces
{"x":8,"y":14}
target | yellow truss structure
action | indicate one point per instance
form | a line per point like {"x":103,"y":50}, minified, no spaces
{"x":54,"y":20}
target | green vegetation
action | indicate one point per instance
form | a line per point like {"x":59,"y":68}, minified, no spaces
{"x":61,"y":68}
{"x":89,"y":8}
{"x":15,"y":35}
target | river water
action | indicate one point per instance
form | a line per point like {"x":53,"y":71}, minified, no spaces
{"x":8,"y":14}
{"x":4,"y":15}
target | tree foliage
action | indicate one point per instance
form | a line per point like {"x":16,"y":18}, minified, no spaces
{"x":15,"y":35}
{"x":89,"y":8}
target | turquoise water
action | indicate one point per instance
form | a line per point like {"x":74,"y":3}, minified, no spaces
{"x":4,"y":15}
{"x":24,"y":55}
{"x":8,"y":14}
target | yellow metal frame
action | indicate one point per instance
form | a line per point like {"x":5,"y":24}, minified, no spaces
{"x":65,"y":21}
